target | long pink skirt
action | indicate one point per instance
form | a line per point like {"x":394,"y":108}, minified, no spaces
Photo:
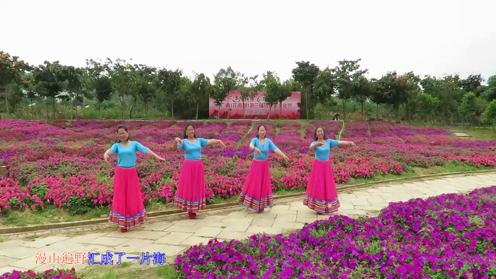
{"x":257,"y":191}
{"x":127,"y":204}
{"x":321,"y":194}
{"x":190,"y":194}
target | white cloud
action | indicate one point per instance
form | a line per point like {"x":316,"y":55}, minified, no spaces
{"x":428,"y":37}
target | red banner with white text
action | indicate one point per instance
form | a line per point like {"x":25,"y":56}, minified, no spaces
{"x":256,"y":107}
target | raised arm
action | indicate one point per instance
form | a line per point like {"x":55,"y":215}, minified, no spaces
{"x":155,"y":155}
{"x":280,"y":153}
{"x":343,"y":143}
{"x":211,"y":142}
{"x":143,"y":149}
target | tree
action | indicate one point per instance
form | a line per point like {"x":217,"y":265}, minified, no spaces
{"x":169,"y":83}
{"x":96,"y":74}
{"x":200,"y":88}
{"x":449,"y":93}
{"x":103,"y":89}
{"x":471,"y":108}
{"x":347,"y":76}
{"x":306,"y":74}
{"x":473,"y":83}
{"x":11,"y":69}
{"x":248,"y":87}
{"x":14,"y":96}
{"x":185,"y":105}
{"x":286,"y":90}
{"x":273,"y":89}
{"x":123,"y":77}
{"x":73,"y":86}
{"x":489,"y":114}
{"x":362,"y":89}
{"x":398,"y":89}
{"x":49,"y":79}
{"x":426,"y":106}
{"x":409,"y":83}
{"x":224,"y":81}
{"x":324,"y":85}
{"x":490,"y":92}
{"x":144,"y":78}
{"x":377,"y":95}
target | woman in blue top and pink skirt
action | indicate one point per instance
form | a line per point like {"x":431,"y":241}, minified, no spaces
{"x":257,"y":191}
{"x":321,"y":194}
{"x":128,"y":209}
{"x":190,"y":194}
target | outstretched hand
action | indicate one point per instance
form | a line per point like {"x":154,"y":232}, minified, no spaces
{"x":221,"y":143}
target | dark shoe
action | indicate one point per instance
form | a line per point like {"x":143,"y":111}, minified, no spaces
{"x":123,"y":230}
{"x":192,"y":215}
{"x":260,"y":210}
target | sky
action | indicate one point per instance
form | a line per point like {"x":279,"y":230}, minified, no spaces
{"x":436,"y":37}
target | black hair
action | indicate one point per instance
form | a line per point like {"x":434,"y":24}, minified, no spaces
{"x":186,"y":128}
{"x":315,"y":133}
{"x":258,"y":129}
{"x":125,"y":129}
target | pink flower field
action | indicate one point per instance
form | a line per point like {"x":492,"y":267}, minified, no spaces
{"x":61,"y":163}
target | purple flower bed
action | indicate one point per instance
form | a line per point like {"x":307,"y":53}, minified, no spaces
{"x":449,"y":236}
{"x":48,"y":274}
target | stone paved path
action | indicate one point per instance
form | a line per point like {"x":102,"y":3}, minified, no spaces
{"x":173,"y":237}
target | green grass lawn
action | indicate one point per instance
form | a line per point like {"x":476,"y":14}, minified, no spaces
{"x":480,"y":133}
{"x":483,"y":133}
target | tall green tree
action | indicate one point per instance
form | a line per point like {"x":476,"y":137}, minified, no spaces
{"x":473,"y":83}
{"x":224,"y":81}
{"x":15,"y":96}
{"x":273,"y":89}
{"x":471,"y":108}
{"x":11,"y":70}
{"x":201,"y":88}
{"x":376,"y":95}
{"x":363,"y":90}
{"x":490,"y":92}
{"x":398,"y":90}
{"x":103,"y":89}
{"x":145,"y":84}
{"x":324,"y":85}
{"x":426,"y":106}
{"x":248,"y":88}
{"x":124,"y":83}
{"x":347,"y":76}
{"x":169,"y":83}
{"x":287,"y":88}
{"x":74,"y":86}
{"x":489,"y":114}
{"x":449,"y":93}
{"x":306,"y":73}
{"x":185,"y":105}
{"x":50,"y":81}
